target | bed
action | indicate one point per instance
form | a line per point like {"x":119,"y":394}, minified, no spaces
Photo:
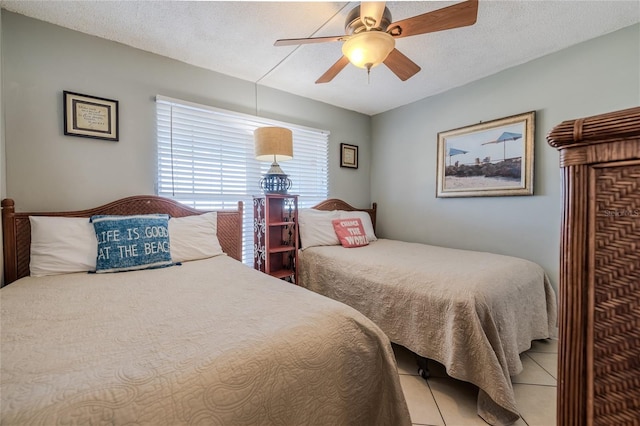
{"x":473,"y":312}
{"x":207,"y":341}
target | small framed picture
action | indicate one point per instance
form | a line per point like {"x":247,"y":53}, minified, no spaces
{"x":90,"y":116}
{"x":348,"y":156}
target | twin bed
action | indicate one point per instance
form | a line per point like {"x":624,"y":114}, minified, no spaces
{"x":209,"y":341}
{"x":473,"y":312}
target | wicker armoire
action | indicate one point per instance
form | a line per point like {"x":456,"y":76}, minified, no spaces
{"x":599,"y":290}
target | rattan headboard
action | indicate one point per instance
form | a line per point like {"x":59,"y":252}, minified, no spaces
{"x":336,"y":204}
{"x":16,"y":227}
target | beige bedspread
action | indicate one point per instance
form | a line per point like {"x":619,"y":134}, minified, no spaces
{"x":473,"y":312}
{"x":211,"y":342}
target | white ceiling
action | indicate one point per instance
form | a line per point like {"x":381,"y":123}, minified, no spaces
{"x":236,"y":38}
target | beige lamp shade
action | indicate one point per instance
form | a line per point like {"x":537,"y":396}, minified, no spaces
{"x":273,"y":144}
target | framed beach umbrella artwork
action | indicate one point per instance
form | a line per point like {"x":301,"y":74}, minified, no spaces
{"x":493,"y":158}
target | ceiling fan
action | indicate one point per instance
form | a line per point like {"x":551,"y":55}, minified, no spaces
{"x":370,"y":36}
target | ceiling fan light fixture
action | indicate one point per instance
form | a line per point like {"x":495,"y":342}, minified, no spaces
{"x":369,"y":48}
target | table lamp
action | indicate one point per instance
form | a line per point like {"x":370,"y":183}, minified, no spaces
{"x":274,"y":144}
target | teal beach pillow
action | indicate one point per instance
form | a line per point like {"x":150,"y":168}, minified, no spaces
{"x":129,"y":243}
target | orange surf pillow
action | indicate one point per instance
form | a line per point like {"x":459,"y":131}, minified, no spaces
{"x":350,"y":232}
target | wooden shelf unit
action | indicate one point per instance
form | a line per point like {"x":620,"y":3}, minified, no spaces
{"x":275,"y":219}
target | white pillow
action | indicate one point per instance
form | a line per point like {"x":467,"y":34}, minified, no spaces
{"x":194,"y":237}
{"x":316,"y":228}
{"x":62,"y":245}
{"x":365,"y":218}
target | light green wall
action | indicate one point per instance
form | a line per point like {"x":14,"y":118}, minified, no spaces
{"x":3,"y":186}
{"x":594,"y":77}
{"x":46,"y":170}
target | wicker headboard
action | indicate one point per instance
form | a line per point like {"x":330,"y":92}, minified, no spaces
{"x":16,"y":227}
{"x":336,"y":204}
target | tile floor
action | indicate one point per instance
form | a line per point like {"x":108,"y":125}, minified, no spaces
{"x":444,"y":401}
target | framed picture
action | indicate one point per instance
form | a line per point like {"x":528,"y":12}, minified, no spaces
{"x":348,"y":156}
{"x":90,"y":117}
{"x":487,"y":159}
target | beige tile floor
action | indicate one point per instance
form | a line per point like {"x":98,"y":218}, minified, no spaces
{"x":444,"y":401}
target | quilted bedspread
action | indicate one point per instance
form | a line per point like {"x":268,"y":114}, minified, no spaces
{"x":471,"y":311}
{"x":210,"y":342}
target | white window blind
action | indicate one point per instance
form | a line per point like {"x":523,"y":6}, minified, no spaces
{"x":206,"y":160}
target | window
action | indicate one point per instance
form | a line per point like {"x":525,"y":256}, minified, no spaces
{"x":206,"y":160}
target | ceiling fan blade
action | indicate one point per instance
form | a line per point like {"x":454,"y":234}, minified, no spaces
{"x":458,"y":15}
{"x":401,"y":66}
{"x":310,"y":40}
{"x":333,"y":70}
{"x":371,"y":13}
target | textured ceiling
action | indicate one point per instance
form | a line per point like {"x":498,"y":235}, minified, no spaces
{"x":236,"y":38}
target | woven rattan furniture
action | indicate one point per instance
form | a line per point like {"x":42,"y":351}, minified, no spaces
{"x":336,"y":204}
{"x":16,"y":227}
{"x":599,"y":297}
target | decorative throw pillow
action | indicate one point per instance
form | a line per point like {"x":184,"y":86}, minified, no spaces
{"x":350,"y":232}
{"x":61,"y":245}
{"x":194,"y":237}
{"x":316,"y":228}
{"x":129,"y":243}
{"x":366,"y":222}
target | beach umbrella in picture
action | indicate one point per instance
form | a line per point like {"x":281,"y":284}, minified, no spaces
{"x":453,"y":151}
{"x":504,"y":137}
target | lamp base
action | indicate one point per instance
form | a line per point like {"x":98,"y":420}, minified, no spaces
{"x":273,"y":183}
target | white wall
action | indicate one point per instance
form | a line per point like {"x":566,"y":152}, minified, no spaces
{"x":46,"y":170}
{"x":594,"y":77}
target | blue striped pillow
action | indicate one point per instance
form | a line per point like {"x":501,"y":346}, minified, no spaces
{"x":129,"y":243}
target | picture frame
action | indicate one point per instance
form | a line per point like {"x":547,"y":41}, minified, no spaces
{"x":489,"y":159}
{"x":90,"y":116}
{"x":348,"y":156}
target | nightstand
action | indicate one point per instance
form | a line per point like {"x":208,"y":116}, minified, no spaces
{"x":275,"y":234}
